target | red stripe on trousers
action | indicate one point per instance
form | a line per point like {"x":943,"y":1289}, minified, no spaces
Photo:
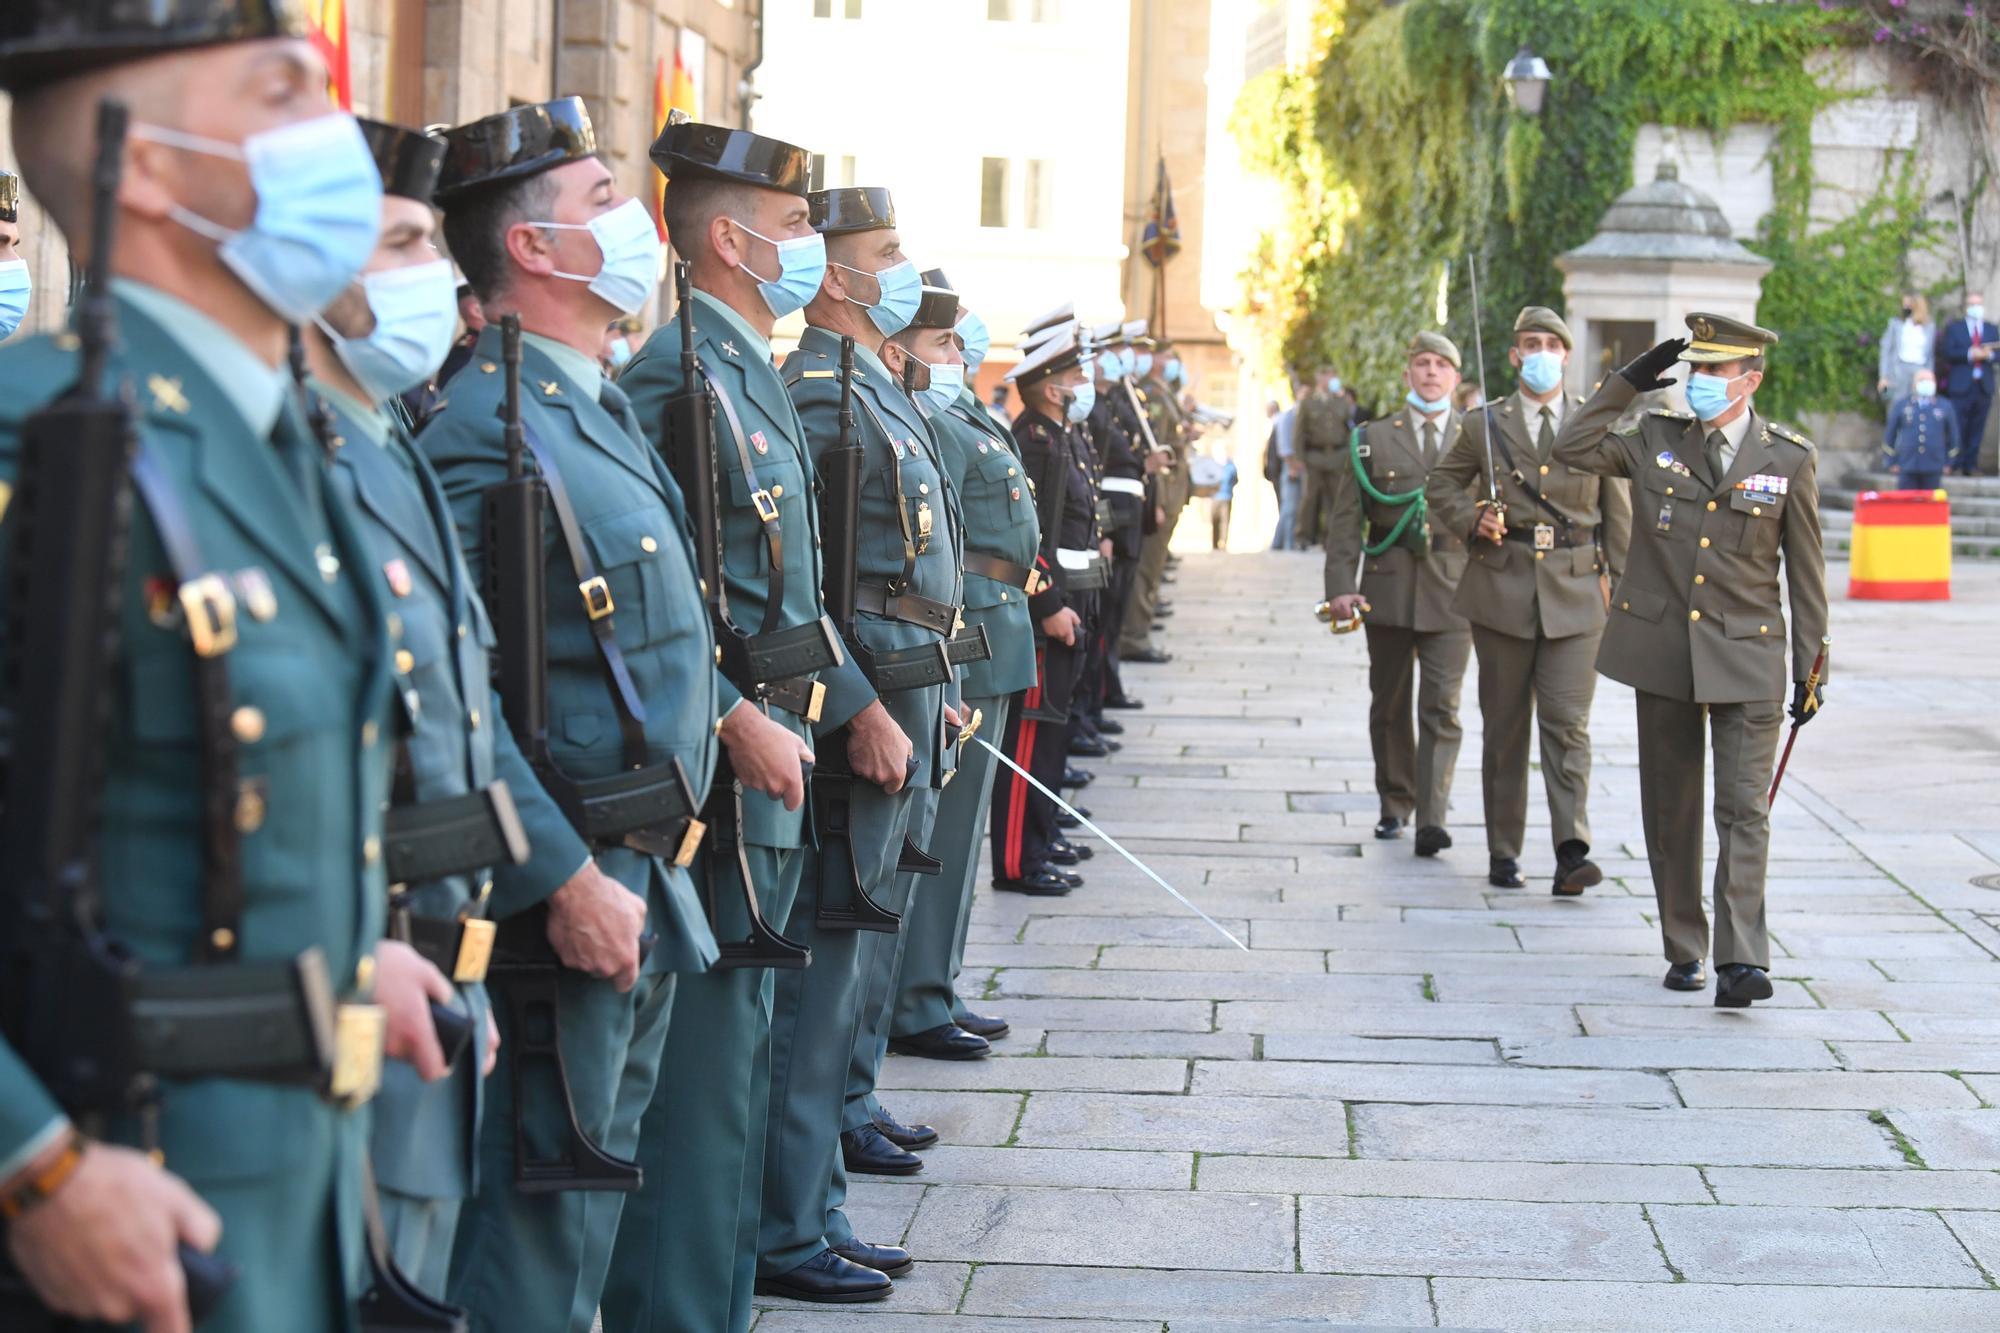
{"x":1017,"y":791}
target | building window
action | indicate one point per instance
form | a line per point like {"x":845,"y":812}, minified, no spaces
{"x":993,"y":192}
{"x":999,"y":11}
{"x":1037,"y":193}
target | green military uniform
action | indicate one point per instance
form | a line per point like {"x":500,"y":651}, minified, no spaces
{"x":539,"y":1260}
{"x":1324,"y":420}
{"x":1170,"y":491}
{"x":1698,"y":630}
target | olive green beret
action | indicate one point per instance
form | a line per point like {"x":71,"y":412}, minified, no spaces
{"x":1541,"y":319}
{"x":1438,"y":343}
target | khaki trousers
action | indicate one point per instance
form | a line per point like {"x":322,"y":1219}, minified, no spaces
{"x":1550,"y":683}
{"x":1413,"y":767}
{"x":1672,"y":754}
{"x":1135,"y":632}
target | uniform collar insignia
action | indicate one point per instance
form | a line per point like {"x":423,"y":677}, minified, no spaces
{"x":167,"y":395}
{"x":551,"y":389}
{"x":729,"y":348}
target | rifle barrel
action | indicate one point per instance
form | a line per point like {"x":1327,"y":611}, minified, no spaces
{"x":510,"y":358}
{"x":94,"y":309}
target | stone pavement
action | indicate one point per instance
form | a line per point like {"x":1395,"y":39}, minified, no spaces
{"x":1420,"y":1102}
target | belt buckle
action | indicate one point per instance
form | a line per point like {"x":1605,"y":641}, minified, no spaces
{"x":815,"y":702}
{"x":210,"y":610}
{"x":766,"y":507}
{"x":1035,"y":582}
{"x":357,"y":1053}
{"x":1545,"y":537}
{"x":597,"y":602}
{"x":690,"y":843}
{"x":475,"y":949}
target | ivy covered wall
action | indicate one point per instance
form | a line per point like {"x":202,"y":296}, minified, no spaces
{"x":1400,"y":153}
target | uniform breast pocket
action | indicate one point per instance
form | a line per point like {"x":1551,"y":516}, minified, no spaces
{"x":639,"y":557}
{"x":745,"y":552}
{"x":994,"y":483}
{"x":1762,"y":517}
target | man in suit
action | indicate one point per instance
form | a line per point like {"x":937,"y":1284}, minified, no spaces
{"x":244,"y":759}
{"x":1406,"y":586}
{"x":1535,"y":593}
{"x":1965,"y":354}
{"x":1724,"y":502}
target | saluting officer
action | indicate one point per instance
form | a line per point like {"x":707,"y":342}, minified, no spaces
{"x":244,"y":765}
{"x":1535,"y":593}
{"x":1409,"y":567}
{"x":1721,"y":499}
{"x":16,"y":283}
{"x":537,"y":221}
{"x":686,"y":1255}
{"x":1002,"y":536}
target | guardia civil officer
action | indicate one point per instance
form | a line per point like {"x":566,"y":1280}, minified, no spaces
{"x":1724,"y":501}
{"x":238,"y":856}
{"x":890,"y":719}
{"x":632,"y":697}
{"x":1403,"y":570}
{"x":1002,"y":537}
{"x":1535,"y":591}
{"x":466,"y":803}
{"x":16,"y":284}
{"x":736,"y":207}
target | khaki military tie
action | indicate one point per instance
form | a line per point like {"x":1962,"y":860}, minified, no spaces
{"x":1711,"y":454}
{"x":1547,"y":439}
{"x":1430,"y":444}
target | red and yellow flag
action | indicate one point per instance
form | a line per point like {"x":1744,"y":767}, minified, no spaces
{"x":329,"y":34}
{"x":673,"y":90}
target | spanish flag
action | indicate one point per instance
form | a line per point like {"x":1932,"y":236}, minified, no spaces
{"x":329,"y":34}
{"x":672,"y":91}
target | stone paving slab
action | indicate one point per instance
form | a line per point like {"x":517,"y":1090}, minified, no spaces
{"x":1109,"y":1228}
{"x":1292,"y":987}
{"x":1697,"y":1016}
{"x":1855,"y":1189}
{"x":1179,"y":1045}
{"x":1235,"y":1300}
{"x":1434,"y":1083}
{"x":1618,"y":1307}
{"x":1205,"y":1124}
{"x":1968,"y":1140}
{"x":1874,"y":1247}
{"x":1624,"y":1134}
{"x":1083,"y":1074}
{"x":1453,"y":989}
{"x":1672,"y":1053}
{"x":946,"y":1165}
{"x":1478,"y":1238}
{"x":1404,"y":1020}
{"x":799,"y":1320}
{"x":1533,"y":1182}
{"x":1372,"y":1050}
{"x":1842,"y":1091}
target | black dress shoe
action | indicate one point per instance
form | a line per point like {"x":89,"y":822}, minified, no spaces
{"x":983,"y":1025}
{"x":1061,"y":854}
{"x":1504,"y":872}
{"x":950,"y":1042}
{"x":1431,"y":840}
{"x":867,"y":1153}
{"x":827,"y":1279}
{"x":1064,"y":819}
{"x":1110,"y":726}
{"x":1685,"y":976}
{"x":1077,"y":850}
{"x":1077,"y":777}
{"x":1111,"y":745}
{"x":1152,"y":656}
{"x":1040,"y":882}
{"x":1737,"y":984}
{"x":1575,"y":871}
{"x":907,"y":1137}
{"x":1388,"y":827}
{"x":1125,"y":702}
{"x":1088,"y":747}
{"x":1074,"y":880}
{"x":888,"y":1260}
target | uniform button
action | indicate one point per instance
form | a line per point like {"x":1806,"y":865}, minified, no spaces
{"x":1010,"y":472}
{"x":1624,"y":606}
{"x":1700,"y":579}
{"x":406,"y":661}
{"x":1003,"y":596}
{"x":1763,"y":629}
{"x":1756,"y":512}
{"x":1694,"y":615}
{"x":718,"y":655}
{"x":463,"y":631}
{"x":364,"y":972}
{"x":923,"y":488}
{"x":247,"y":725}
{"x":1704,"y":543}
{"x":371,"y":850}
{"x":1670,"y":490}
{"x":702,"y":586}
{"x":777,"y":492}
{"x":222,"y":939}
{"x":1540,"y":554}
{"x":648,"y":545}
{"x":1711,"y":506}
{"x":473,"y":718}
{"x":1545,"y":469}
{"x":368,"y":733}
{"x":395,"y":626}
{"x":328,"y":562}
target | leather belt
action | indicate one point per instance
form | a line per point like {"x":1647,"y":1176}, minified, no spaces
{"x":1024,"y":577}
{"x":1549,"y":537}
{"x":458,"y":835}
{"x":907,"y":668}
{"x":649,"y":809}
{"x":806,"y":698}
{"x":753,"y":662}
{"x":459,"y":947}
{"x":907,"y":607}
{"x":1082,"y":571}
{"x":1131,"y":486}
{"x":969,"y":645}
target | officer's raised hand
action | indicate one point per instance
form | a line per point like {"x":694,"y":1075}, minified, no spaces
{"x":878,"y":750}
{"x":765,"y":755}
{"x":1647,"y":371}
{"x":594,"y":926}
{"x":1806,"y":701}
{"x":104,"y":1245}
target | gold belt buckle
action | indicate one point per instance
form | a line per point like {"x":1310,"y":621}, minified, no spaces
{"x":357,"y":1053}
{"x":210,"y":609}
{"x":815,"y":702}
{"x":597,"y":602}
{"x":475,"y":949}
{"x":1035,"y":582}
{"x":690,"y":843}
{"x":1545,"y":537}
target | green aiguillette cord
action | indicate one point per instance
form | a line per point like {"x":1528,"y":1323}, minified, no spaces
{"x":1412,"y":501}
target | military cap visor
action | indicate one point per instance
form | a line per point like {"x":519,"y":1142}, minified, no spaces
{"x":936,"y":309}
{"x":934,"y":277}
{"x":1437,"y":344}
{"x":1541,"y":319}
{"x":851,"y":208}
{"x":45,"y":40}
{"x":517,"y":143}
{"x":1715,"y":339}
{"x":409,"y":160}
{"x":691,"y":150}
{"x":1041,"y":337}
{"x":10,"y":197}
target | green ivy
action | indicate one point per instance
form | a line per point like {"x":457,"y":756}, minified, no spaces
{"x":1399,"y":153}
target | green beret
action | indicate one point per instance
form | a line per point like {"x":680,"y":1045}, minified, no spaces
{"x":1438,"y":343}
{"x":1541,"y":319}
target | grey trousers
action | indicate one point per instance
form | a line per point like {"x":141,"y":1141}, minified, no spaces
{"x":1548,"y":683}
{"x":1414,"y":766}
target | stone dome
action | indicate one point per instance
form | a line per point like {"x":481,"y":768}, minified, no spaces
{"x":1663,"y":220}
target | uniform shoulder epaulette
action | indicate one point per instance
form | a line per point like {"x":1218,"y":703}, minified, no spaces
{"x":1791,"y":436}
{"x":1669,"y":414}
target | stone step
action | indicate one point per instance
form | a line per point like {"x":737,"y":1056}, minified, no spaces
{"x":1960,"y":488}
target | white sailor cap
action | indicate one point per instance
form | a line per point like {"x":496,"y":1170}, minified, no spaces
{"x":1040,"y":336}
{"x":1064,"y":313}
{"x":1049,"y":357}
{"x":1134,"y":329}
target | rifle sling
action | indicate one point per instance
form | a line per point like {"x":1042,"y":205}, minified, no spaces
{"x":902,"y":501}
{"x":767,"y":517}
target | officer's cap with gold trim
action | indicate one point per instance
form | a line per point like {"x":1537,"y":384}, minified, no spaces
{"x":1428,"y":341}
{"x":691,"y":150}
{"x":45,"y":40}
{"x":513,"y":145}
{"x":409,"y":160}
{"x":1063,"y":352}
{"x":851,"y":208}
{"x":937,"y":308}
{"x":1714,"y":339}
{"x":1541,"y":319}
{"x":1048,"y":319}
{"x":1042,"y":336}
{"x":10,"y":197}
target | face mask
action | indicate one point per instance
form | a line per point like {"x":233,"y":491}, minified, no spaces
{"x":15,"y":288}
{"x":621,"y":352}
{"x":1334,"y":385}
{"x":1926,"y":389}
{"x":1142,"y":364}
{"x":1708,"y":395}
{"x":1108,"y":363}
{"x":801,"y":268}
{"x":972,"y":331}
{"x":319,"y":208}
{"x":1908,"y":310}
{"x":943,"y":390}
{"x":1541,"y":371}
{"x":1175,"y":373}
{"x":901,"y":288}
{"x":1976,"y":313}
{"x":415,"y":315}
{"x":630,"y":245}
{"x":1081,"y":406}
{"x":1425,"y":406}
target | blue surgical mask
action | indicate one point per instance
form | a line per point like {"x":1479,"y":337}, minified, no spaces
{"x":1541,"y":371}
{"x":1708,"y":394}
{"x":621,"y":353}
{"x":946,"y":383}
{"x":1424,"y":405}
{"x":1334,"y":385}
{"x":1081,"y":406}
{"x":1176,"y":374}
{"x":630,"y":246}
{"x":901,"y":291}
{"x":319,"y":208}
{"x":1976,"y":313}
{"x":801,"y":269}
{"x":976,"y":338}
{"x":15,"y":288}
{"x":1142,"y":364}
{"x":1925,"y":389}
{"x":416,"y":314}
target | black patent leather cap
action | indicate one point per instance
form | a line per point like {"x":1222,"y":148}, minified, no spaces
{"x":45,"y":40}
{"x":409,"y":160}
{"x":851,"y":208}
{"x":515,"y":144}
{"x":717,"y":152}
{"x":934,"y":277}
{"x":936,"y":309}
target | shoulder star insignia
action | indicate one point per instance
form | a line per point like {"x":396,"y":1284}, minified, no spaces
{"x":551,"y":389}
{"x":167,"y":395}
{"x":729,"y":349}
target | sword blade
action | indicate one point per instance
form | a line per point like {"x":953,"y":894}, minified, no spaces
{"x":1113,"y":843}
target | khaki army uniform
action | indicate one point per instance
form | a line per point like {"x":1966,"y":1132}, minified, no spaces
{"x":1537,"y":608}
{"x":1698,"y":630}
{"x":1411,"y":621}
